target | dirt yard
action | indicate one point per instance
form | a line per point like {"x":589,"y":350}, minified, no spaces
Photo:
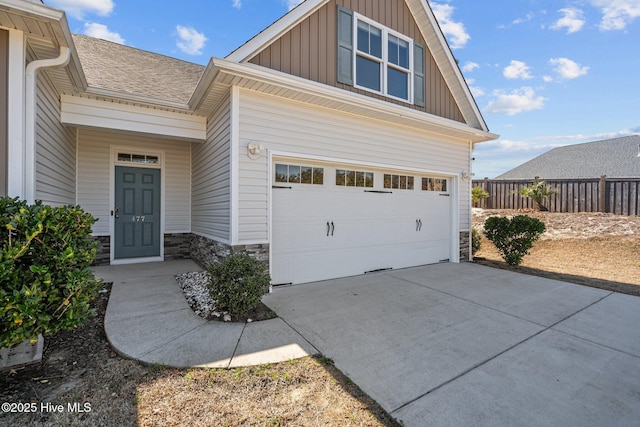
{"x":593,"y":249}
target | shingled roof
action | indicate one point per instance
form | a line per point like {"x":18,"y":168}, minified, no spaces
{"x":615,"y":158}
{"x":115,"y":67}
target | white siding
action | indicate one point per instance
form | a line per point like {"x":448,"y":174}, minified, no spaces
{"x":55,"y":149}
{"x":94,"y":175}
{"x":211,"y":208}
{"x":293,"y":127}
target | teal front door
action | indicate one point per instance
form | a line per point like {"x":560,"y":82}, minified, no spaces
{"x":137,"y":213}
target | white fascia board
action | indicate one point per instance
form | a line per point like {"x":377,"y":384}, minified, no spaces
{"x":248,"y":50}
{"x":92,"y":113}
{"x":394,"y":112}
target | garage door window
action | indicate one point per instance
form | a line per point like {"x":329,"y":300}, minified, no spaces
{"x":351,"y":178}
{"x":401,"y":182}
{"x":297,"y":174}
{"x":434,"y":184}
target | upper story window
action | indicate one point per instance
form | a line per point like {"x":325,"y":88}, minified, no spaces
{"x":383,"y":60}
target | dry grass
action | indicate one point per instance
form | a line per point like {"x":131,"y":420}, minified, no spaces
{"x":598,"y":250}
{"x":306,"y":392}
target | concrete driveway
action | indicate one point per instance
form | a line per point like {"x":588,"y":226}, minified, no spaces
{"x":462,"y":344}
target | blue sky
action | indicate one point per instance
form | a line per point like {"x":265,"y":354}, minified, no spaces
{"x":545,"y":73}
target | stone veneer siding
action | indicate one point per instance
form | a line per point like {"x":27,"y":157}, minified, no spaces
{"x":103,"y":255}
{"x":465,"y":246}
{"x":176,"y":246}
{"x":205,"y":251}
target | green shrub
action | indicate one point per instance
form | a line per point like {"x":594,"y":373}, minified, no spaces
{"x":513,"y":237}
{"x":238,"y":282}
{"x":45,"y":281}
{"x":476,"y":241}
{"x":477,"y":194}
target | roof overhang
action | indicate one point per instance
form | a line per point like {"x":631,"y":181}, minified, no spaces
{"x":222,"y":74}
{"x":46,"y":30}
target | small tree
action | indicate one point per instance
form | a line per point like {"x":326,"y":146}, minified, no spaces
{"x":45,"y":281}
{"x":477,"y":194}
{"x":513,"y":237}
{"x":538,"y":192}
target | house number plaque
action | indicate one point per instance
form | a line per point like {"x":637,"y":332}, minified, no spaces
{"x":137,"y":219}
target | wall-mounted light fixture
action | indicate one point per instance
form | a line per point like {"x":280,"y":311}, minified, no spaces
{"x":464,"y":175}
{"x":254,"y":150}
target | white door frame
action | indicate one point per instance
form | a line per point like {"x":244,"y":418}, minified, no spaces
{"x":115,"y":149}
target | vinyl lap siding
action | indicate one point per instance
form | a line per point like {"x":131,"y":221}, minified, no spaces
{"x":94,"y":175}
{"x":211,"y":178}
{"x":294,"y":127}
{"x":55,"y":149}
{"x":309,"y":50}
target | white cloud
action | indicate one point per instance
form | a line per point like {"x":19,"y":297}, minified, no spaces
{"x":518,"y":101}
{"x":237,"y":4}
{"x":573,"y":20}
{"x":617,"y":14}
{"x":517,"y":70}
{"x":78,"y":8}
{"x":190,"y":41}
{"x":454,"y":30}
{"x":292,"y":3}
{"x":470,"y":66}
{"x":568,"y":69}
{"x":100,"y":31}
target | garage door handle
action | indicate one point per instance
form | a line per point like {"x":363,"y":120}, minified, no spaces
{"x":332,"y":228}
{"x":417,"y":225}
{"x":420,"y":221}
{"x":328,"y":228}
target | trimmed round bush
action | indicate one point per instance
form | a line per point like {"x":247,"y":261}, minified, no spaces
{"x":513,"y":237}
{"x":45,"y":281}
{"x":238,"y":282}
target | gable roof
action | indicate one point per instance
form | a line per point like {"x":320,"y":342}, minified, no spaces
{"x":429,"y":27}
{"x":112,"y":68}
{"x":615,"y":158}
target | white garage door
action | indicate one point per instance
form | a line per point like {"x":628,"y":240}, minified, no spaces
{"x":335,"y":221}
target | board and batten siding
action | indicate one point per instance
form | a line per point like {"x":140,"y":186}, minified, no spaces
{"x":293,"y":127}
{"x":4,"y":104}
{"x":211,"y":179}
{"x":309,"y":50}
{"x":94,"y":174}
{"x":55,"y":148}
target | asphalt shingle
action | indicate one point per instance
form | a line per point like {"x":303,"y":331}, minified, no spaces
{"x":615,"y":158}
{"x":132,"y":71}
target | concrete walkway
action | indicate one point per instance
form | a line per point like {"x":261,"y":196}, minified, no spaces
{"x":467,"y":345}
{"x":148,"y":319}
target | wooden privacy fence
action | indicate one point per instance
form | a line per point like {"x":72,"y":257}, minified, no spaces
{"x":620,"y":196}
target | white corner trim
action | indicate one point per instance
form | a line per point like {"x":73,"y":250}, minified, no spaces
{"x":15,"y":115}
{"x":235,"y":165}
{"x":93,"y":113}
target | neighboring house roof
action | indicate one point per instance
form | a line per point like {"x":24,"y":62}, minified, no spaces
{"x":615,"y":158}
{"x":428,"y":24}
{"x":118,"y":68}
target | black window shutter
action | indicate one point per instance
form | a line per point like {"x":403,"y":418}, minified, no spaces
{"x":419,"y":91}
{"x":345,"y":46}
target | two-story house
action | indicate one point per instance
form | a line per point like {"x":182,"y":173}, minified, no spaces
{"x":335,"y":142}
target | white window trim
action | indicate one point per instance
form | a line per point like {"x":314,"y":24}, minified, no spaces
{"x":385,"y":58}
